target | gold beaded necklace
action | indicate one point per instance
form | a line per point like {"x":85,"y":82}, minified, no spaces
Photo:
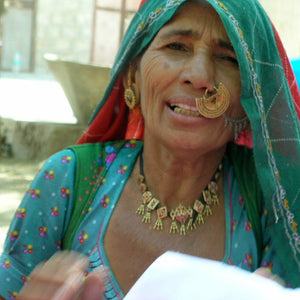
{"x":182,"y":218}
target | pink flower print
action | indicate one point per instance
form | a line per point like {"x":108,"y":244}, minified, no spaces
{"x":110,"y":158}
{"x":83,"y":237}
{"x":24,"y":279}
{"x":122,"y":169}
{"x":130,"y":144}
{"x":28,"y":249}
{"x":35,"y":193}
{"x":6,"y":264}
{"x":248,"y":225}
{"x":54,"y":211}
{"x":13,"y":235}
{"x":248,"y":260}
{"x":241,"y":201}
{"x":103,"y":181}
{"x":233,"y":226}
{"x":104,"y":201}
{"x":12,"y":295}
{"x":268,"y":265}
{"x":58,"y":245}
{"x":65,"y":193}
{"x":21,"y":213}
{"x":49,"y":174}
{"x":43,"y":231}
{"x":66,"y":159}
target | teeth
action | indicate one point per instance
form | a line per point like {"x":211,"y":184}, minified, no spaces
{"x":185,"y":110}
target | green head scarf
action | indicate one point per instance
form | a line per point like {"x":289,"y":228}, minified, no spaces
{"x":269,"y":96}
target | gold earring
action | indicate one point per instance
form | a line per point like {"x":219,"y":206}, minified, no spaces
{"x":129,"y":94}
{"x":213,"y":106}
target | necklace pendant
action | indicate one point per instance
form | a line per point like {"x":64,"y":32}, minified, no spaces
{"x":215,"y":199}
{"x":199,"y":219}
{"x":182,"y":229}
{"x":191,"y":225}
{"x":141,"y":209}
{"x":207,"y":197}
{"x":174,"y":226}
{"x":213,"y":187}
{"x":153,"y":203}
{"x":147,"y":217}
{"x":198,"y":206}
{"x":207,"y":210}
{"x":158,"y":224}
{"x":162,"y":213}
{"x":147,"y":196}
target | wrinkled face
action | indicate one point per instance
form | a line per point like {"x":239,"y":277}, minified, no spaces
{"x":189,"y":54}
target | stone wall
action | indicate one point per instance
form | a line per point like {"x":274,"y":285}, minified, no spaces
{"x":37,"y":140}
{"x":64,"y":28}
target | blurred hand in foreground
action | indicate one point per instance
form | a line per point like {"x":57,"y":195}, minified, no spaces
{"x":61,"y":278}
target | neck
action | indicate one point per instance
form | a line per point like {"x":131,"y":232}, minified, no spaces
{"x":178,"y":179}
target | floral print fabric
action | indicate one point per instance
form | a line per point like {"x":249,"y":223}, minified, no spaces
{"x":40,"y":222}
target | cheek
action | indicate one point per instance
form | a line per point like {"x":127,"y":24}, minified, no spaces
{"x":155,"y":77}
{"x":236,"y":107}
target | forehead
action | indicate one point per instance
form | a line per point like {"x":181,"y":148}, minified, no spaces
{"x":199,"y":17}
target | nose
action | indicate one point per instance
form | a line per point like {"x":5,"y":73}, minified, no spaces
{"x":198,"y":72}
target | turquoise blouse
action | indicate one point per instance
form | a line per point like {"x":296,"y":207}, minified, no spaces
{"x":40,"y":222}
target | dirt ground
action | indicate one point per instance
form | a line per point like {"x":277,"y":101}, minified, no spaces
{"x":15,"y":177}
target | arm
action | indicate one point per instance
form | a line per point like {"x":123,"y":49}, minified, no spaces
{"x":39,"y":224}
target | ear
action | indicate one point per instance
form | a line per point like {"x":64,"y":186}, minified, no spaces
{"x":130,"y":77}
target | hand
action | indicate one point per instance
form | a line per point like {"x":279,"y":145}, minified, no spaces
{"x":60,"y":278}
{"x":265,"y":272}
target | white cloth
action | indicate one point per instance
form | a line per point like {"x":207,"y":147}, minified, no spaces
{"x":175,"y":276}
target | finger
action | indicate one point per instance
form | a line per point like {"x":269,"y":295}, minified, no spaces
{"x":47,"y":290}
{"x":266,"y":272}
{"x":93,"y":287}
{"x":59,"y":278}
{"x":59,"y":266}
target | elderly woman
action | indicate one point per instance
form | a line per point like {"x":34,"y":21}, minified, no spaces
{"x":176,"y":166}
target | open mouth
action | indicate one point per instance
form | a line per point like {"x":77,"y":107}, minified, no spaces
{"x":185,"y":110}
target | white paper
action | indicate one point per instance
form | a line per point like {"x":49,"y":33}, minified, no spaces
{"x":175,"y":276}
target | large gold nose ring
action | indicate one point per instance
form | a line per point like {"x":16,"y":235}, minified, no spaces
{"x":214,"y":105}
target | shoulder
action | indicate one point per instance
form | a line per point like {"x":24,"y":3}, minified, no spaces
{"x":100,"y":152}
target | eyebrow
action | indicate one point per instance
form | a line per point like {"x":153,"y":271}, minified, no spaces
{"x":194,"y":34}
{"x":225,"y":44}
{"x":177,"y":32}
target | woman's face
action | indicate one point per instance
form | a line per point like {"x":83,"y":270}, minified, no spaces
{"x":189,"y":54}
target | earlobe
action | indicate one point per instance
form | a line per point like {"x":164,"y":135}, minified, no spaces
{"x":131,"y":94}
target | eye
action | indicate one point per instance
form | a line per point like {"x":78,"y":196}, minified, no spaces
{"x":229,"y":58}
{"x":177,"y":46}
